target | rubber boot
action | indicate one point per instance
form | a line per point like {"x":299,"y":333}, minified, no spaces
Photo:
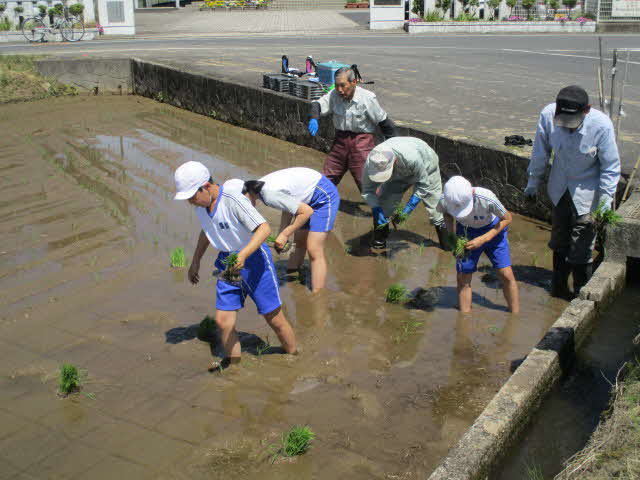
{"x":581,"y":275}
{"x":443,"y":234}
{"x":380,"y":235}
{"x":560,"y":279}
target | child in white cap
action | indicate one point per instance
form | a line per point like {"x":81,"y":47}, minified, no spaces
{"x":232,"y":225}
{"x":483,"y":220}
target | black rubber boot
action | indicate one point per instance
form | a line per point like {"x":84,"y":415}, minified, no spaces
{"x":581,"y":275}
{"x":560,"y":279}
{"x":380,"y":235}
{"x":443,"y":235}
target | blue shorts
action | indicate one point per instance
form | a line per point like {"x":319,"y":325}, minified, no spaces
{"x":259,"y":281}
{"x":325,"y":202}
{"x":497,"y":249}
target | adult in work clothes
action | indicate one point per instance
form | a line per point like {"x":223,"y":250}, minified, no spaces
{"x":584,"y":174}
{"x":393,"y":167}
{"x":356,"y":114}
{"x":232,"y":225}
{"x":312,"y":201}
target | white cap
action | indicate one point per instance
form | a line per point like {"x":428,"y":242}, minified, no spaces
{"x":189,"y":177}
{"x":234,"y":185}
{"x":379,"y":164}
{"x":458,"y":196}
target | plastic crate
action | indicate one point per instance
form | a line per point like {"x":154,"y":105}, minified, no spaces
{"x":276,"y":81}
{"x":327,"y":70}
{"x":308,"y":90}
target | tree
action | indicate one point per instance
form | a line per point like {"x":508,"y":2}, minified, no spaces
{"x":569,"y":4}
{"x":528,"y":5}
{"x":418,"y":8}
{"x":443,"y":5}
{"x":511,"y":4}
{"x":554,"y":5}
{"x":77,"y":9}
{"x":494,"y":5}
{"x":472,"y":7}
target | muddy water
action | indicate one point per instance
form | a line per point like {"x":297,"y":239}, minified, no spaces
{"x":88,"y":221}
{"x":572,"y":410}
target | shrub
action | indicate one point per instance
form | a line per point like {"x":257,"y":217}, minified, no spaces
{"x":554,"y":5}
{"x":57,"y":10}
{"x":433,"y":16}
{"x":42,"y":9}
{"x":5,"y":25}
{"x":3,"y":7}
{"x":18,"y":10}
{"x":418,"y":7}
{"x":528,"y":5}
{"x":76,"y":9}
{"x":511,"y":4}
{"x":443,"y":5}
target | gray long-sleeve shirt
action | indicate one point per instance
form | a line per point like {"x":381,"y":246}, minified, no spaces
{"x":416,"y":165}
{"x":586,"y":162}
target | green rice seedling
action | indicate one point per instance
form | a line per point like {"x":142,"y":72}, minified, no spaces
{"x":231,"y":273}
{"x":603,"y":217}
{"x":294,"y":442}
{"x":407,"y":329}
{"x":178,"y":260}
{"x":396,"y":293}
{"x":459,"y":247}
{"x":207,"y":330}
{"x":397,"y":218}
{"x":271,"y":239}
{"x":69,"y":379}
{"x":421,"y":249}
{"x":263,"y":347}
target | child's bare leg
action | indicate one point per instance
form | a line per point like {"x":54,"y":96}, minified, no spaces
{"x":226,"y":323}
{"x":510,"y":289}
{"x":297,"y":257}
{"x":283,"y":330}
{"x":464,"y":291}
{"x":315,"y":246}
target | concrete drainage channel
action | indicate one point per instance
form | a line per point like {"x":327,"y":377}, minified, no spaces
{"x":284,"y":117}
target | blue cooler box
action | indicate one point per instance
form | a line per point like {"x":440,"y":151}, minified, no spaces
{"x":327,"y":70}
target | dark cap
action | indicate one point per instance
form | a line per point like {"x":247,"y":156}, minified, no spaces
{"x":570,"y":104}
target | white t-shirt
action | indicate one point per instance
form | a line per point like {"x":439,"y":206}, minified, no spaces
{"x":361,"y":114}
{"x":486,"y":207}
{"x":231,"y":224}
{"x":287,"y":189}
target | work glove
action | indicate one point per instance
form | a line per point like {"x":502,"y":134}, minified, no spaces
{"x":531,"y":191}
{"x":378,"y":216}
{"x":411,"y":204}
{"x":313,"y":126}
{"x":605,"y":201}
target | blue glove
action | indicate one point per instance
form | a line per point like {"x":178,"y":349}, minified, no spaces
{"x":378,"y":216}
{"x":411,"y":204}
{"x":313,"y":126}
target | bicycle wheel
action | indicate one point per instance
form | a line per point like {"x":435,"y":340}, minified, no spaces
{"x":33,"y":29}
{"x":72,"y":29}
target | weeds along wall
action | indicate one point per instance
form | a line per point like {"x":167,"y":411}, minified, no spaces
{"x":285,"y":117}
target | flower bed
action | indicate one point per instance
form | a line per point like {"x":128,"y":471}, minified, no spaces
{"x":515,"y":26}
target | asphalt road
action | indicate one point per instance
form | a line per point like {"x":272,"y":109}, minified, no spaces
{"x":481,"y":87}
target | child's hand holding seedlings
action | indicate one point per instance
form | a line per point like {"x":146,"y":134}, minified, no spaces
{"x":476,"y":242}
{"x":281,"y":241}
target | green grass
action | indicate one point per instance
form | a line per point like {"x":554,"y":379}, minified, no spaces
{"x":603,"y":217}
{"x":20,"y":81}
{"x":69,"y":379}
{"x":294,"y":442}
{"x":396,"y":293}
{"x":178,"y":260}
{"x":433,"y":16}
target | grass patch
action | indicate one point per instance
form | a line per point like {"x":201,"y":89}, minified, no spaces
{"x":178,"y":260}
{"x":231,"y":273}
{"x":20,"y":81}
{"x":294,"y":442}
{"x":613,"y":451}
{"x":396,"y":293}
{"x":69,"y":380}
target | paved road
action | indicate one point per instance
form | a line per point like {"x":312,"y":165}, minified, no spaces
{"x":480,"y":87}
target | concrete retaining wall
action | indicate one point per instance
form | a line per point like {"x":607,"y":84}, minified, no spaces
{"x":623,"y":240}
{"x":18,"y":37}
{"x":107,"y":74}
{"x":500,"y":27}
{"x":286,"y":117}
{"x":497,"y":427}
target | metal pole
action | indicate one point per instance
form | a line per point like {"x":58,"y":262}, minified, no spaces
{"x":601,"y":73}
{"x":614,"y":62}
{"x":620,"y":100}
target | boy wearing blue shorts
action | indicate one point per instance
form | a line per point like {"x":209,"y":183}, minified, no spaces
{"x":232,"y":225}
{"x":312,"y":200}
{"x":483,"y":220}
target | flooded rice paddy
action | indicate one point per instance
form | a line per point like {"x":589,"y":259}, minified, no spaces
{"x":88,"y":223}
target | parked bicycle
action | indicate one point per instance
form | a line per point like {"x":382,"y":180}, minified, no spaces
{"x":71,"y":28}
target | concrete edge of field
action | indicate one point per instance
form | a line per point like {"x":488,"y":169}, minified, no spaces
{"x":285,"y":117}
{"x":497,"y":427}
